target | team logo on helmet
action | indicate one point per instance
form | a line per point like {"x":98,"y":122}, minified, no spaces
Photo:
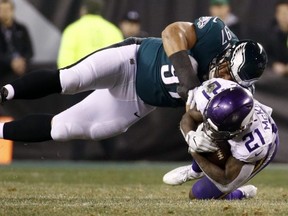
{"x":246,"y":62}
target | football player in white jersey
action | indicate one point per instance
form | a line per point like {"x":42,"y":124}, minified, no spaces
{"x":223,"y":110}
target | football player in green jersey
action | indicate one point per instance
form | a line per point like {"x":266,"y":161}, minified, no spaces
{"x":130,"y":79}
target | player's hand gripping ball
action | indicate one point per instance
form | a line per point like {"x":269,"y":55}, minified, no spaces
{"x":220,"y":156}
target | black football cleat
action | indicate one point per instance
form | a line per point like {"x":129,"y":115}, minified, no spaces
{"x":3,"y":95}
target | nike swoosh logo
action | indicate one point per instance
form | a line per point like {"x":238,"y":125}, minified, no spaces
{"x":136,"y":114}
{"x":256,"y":154}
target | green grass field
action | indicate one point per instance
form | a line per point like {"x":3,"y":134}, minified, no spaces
{"x":90,"y":189}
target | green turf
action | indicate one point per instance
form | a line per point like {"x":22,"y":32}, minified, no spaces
{"x":87,"y":189}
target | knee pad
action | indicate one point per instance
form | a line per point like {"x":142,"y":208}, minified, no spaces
{"x":65,"y":130}
{"x":108,"y":129}
{"x":60,"y":132}
{"x":70,"y":81}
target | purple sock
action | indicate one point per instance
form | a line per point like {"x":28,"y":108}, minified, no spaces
{"x":236,"y":194}
{"x":196,"y":167}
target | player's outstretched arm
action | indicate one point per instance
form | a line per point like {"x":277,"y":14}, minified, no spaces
{"x":178,"y":38}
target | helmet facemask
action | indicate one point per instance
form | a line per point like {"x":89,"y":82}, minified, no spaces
{"x":215,"y":65}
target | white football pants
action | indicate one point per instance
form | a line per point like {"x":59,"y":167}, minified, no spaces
{"x":112,"y":107}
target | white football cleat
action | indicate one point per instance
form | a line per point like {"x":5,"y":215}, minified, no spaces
{"x":249,"y":191}
{"x":181,"y":175}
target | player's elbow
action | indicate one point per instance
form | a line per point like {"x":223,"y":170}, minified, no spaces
{"x":165,"y":32}
{"x":170,"y":30}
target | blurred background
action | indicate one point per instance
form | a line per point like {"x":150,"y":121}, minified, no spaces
{"x":156,"y":137}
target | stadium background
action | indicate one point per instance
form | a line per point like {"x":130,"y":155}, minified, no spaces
{"x":157,"y":136}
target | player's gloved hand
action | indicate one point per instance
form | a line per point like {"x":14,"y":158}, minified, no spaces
{"x":198,"y":141}
{"x":190,"y":103}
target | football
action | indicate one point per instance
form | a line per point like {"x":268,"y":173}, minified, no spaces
{"x":220,"y":156}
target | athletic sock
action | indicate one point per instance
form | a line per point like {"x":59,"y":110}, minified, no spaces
{"x":1,"y":129}
{"x":37,"y":84}
{"x":236,"y":194}
{"x":32,"y":128}
{"x":10,"y":92}
{"x":196,"y":167}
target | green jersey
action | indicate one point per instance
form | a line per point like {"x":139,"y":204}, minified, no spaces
{"x":156,"y":83}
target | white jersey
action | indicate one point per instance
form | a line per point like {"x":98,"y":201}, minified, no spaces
{"x":257,"y":144}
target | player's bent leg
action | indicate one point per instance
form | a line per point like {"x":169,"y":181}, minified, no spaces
{"x":32,"y":128}
{"x":100,"y":115}
{"x":102,"y":69}
{"x":205,"y":189}
{"x":64,"y":130}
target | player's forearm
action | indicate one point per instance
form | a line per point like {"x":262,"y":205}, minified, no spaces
{"x":211,"y":170}
{"x":178,"y":38}
{"x":187,"y":124}
{"x":185,"y":72}
{"x":190,"y":120}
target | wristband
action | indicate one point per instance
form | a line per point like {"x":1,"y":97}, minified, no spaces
{"x":184,"y":71}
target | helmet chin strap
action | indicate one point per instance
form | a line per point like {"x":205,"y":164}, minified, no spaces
{"x":212,"y":73}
